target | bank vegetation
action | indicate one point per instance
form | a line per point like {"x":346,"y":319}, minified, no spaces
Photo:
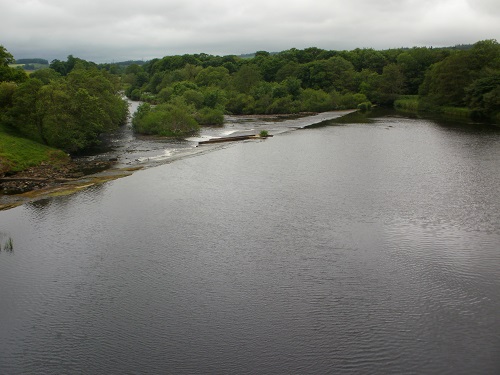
{"x":70,"y":104}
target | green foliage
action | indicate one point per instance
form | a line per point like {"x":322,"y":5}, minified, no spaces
{"x":455,"y":111}
{"x":347,"y":100}
{"x":46,"y":75}
{"x":7,"y":90}
{"x":366,"y":58}
{"x":214,"y":97}
{"x":210,"y":116}
{"x":335,"y":73}
{"x":6,"y":57}
{"x":463,"y":78}
{"x":246,"y":78}
{"x":194,"y":98}
{"x":213,"y":77}
{"x":408,"y":103}
{"x":390,"y":84}
{"x":277,"y":82}
{"x":365,"y":106}
{"x":284,"y":105}
{"x":264,"y":134}
{"x":12,"y":74}
{"x":67,"y":112}
{"x":169,"y":120}
{"x":483,"y":95}
{"x":315,"y":101}
{"x":241,"y":104}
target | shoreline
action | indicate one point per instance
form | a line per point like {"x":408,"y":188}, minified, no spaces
{"x":46,"y":181}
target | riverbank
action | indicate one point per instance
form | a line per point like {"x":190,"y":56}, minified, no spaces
{"x":46,"y":175}
{"x":130,"y":153}
{"x":412,"y":104}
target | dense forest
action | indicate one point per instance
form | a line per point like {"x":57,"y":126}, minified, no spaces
{"x":71,"y":103}
{"x":463,"y":80}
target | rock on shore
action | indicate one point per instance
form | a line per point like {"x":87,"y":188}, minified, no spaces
{"x":46,"y":175}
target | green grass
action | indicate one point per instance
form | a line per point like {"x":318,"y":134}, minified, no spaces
{"x":456,"y":112}
{"x":17,"y":153}
{"x":407,"y":103}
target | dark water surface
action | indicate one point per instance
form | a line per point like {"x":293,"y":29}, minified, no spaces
{"x":354,"y":249}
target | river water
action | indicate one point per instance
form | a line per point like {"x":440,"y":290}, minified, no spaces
{"x":367,"y":246}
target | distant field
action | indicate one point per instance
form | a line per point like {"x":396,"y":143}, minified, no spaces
{"x":29,"y":67}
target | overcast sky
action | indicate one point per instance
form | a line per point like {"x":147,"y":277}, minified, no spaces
{"x":117,"y":30}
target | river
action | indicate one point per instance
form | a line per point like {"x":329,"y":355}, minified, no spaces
{"x":367,"y":245}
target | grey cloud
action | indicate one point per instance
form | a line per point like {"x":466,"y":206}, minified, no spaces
{"x":112,"y":30}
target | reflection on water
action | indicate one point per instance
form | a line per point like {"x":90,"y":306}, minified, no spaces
{"x":366,"y":248}
{"x":6,"y":243}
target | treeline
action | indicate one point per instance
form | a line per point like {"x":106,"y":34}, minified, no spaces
{"x":32,"y":61}
{"x":468,"y":79}
{"x":67,"y":106}
{"x":314,"y":80}
{"x":71,"y":103}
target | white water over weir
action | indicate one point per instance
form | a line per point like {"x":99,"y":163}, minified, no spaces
{"x":130,"y":150}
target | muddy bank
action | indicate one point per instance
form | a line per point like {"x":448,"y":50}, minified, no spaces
{"x":47,"y":175}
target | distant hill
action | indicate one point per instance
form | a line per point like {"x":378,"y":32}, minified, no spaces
{"x":130,"y":62}
{"x":462,"y":46}
{"x":32,"y":61}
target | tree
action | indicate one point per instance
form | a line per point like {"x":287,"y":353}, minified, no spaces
{"x":7,"y":90}
{"x":213,"y":77}
{"x":366,"y":58}
{"x":8,"y":74}
{"x":70,"y":112}
{"x":336,"y":73}
{"x":483,"y":95}
{"x":445,"y":82}
{"x":46,"y":75}
{"x":315,"y":101}
{"x":27,"y":112}
{"x":246,"y":78}
{"x":390,"y":84}
{"x":170,"y":119}
{"x":5,"y":57}
{"x":414,"y":62}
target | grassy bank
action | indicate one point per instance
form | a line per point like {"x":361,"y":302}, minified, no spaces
{"x":408,"y":103}
{"x":17,"y":153}
{"x":456,"y":112}
{"x":412,"y":104}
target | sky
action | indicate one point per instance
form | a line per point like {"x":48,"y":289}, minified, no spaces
{"x":118,"y":30}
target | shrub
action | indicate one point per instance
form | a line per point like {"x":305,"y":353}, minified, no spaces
{"x":365,"y":106}
{"x":210,"y":116}
{"x":167,"y":120}
{"x":264,"y":134}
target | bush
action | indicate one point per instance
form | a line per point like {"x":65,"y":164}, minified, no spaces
{"x":210,"y":116}
{"x":407,"y":103}
{"x":350,"y":100}
{"x":365,"y":106}
{"x":239,"y":104}
{"x":315,"y":101}
{"x":167,"y":120}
